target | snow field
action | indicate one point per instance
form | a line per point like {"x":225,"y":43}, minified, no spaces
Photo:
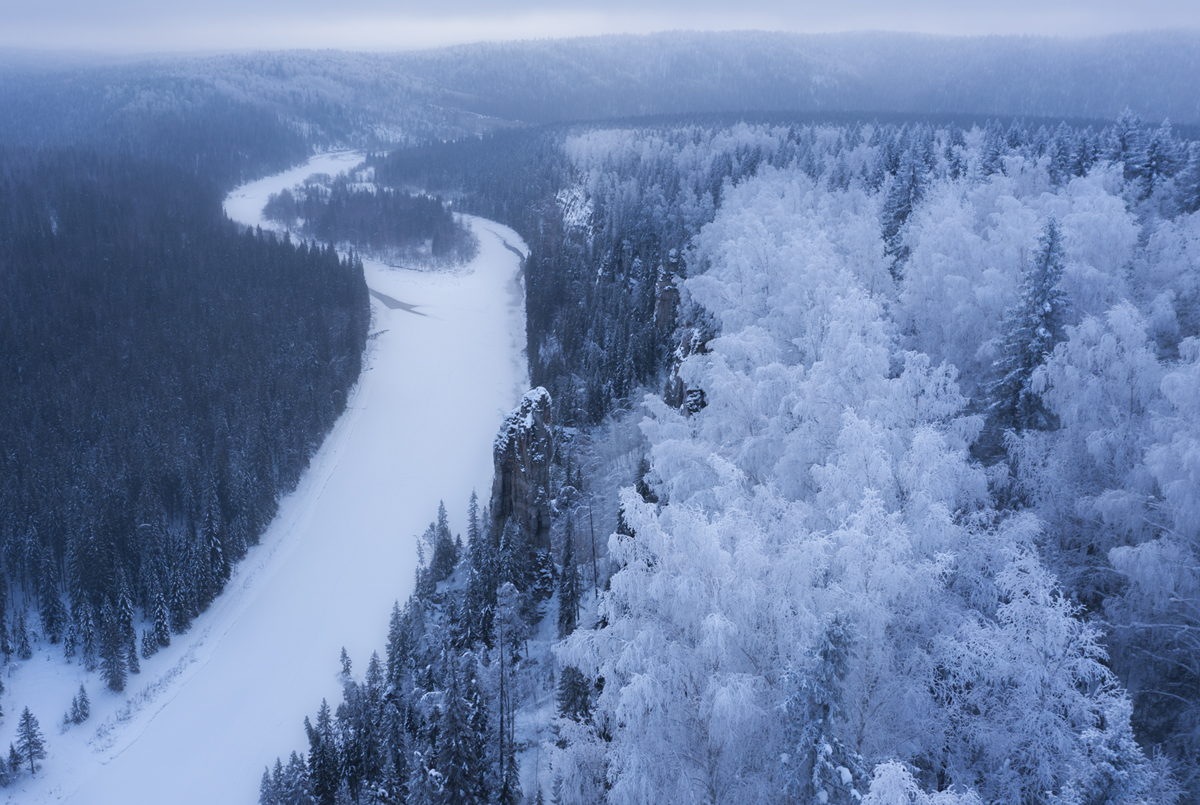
{"x":207,"y":714}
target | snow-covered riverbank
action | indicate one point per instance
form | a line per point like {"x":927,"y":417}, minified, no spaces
{"x":207,"y":714}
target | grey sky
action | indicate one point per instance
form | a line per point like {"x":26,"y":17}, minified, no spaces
{"x":154,"y":25}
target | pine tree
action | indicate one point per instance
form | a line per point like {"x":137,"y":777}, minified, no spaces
{"x":569,"y":584}
{"x":1031,"y":330}
{"x":14,"y":760}
{"x":31,"y":744}
{"x":346,"y":666}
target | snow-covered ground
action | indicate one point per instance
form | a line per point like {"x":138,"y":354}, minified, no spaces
{"x":206,"y":715}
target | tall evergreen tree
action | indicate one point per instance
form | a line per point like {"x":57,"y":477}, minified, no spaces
{"x":322,"y":757}
{"x":445,"y":553}
{"x":24,"y":649}
{"x":112,"y":649}
{"x":460,"y":748}
{"x":1031,"y":330}
{"x":14,"y":760}
{"x":295,"y":788}
{"x":817,"y":756}
{"x":574,"y":695}
{"x":31,"y":744}
{"x":268,"y":788}
{"x":569,"y":585}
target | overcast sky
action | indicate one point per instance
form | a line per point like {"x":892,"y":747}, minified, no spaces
{"x":163,"y":25}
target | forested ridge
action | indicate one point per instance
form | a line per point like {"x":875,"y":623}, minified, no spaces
{"x":164,"y":377}
{"x":913,"y":520}
{"x":239,"y":113}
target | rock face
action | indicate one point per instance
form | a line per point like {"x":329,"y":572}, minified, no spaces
{"x":522,"y":454}
{"x":666,"y":297}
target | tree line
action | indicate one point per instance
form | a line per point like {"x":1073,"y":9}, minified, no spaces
{"x":164,"y":378}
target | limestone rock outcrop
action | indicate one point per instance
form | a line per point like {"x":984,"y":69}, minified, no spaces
{"x":522,"y":454}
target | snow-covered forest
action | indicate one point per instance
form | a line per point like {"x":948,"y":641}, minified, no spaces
{"x":915,"y":515}
{"x":861,"y":461}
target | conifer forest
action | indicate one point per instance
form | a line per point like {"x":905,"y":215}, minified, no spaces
{"x":858,"y":461}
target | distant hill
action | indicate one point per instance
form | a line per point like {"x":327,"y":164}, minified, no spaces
{"x":187,"y":109}
{"x":614,"y":76}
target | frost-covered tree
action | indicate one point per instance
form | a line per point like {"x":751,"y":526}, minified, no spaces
{"x":322,"y":757}
{"x":460,"y":753}
{"x":820,"y":767}
{"x":1030,"y":332}
{"x":445,"y":553}
{"x":569,"y":585}
{"x":1028,"y":701}
{"x":1157,"y":617}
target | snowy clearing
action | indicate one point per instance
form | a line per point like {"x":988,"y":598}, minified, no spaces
{"x":207,"y":714}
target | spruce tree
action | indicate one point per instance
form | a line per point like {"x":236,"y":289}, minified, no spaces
{"x":31,"y":744}
{"x":83,"y":705}
{"x":24,"y":650}
{"x":1031,"y":330}
{"x":510,"y":786}
{"x":322,"y":757}
{"x":6,"y":646}
{"x":574,"y":695}
{"x":113,"y":650}
{"x":903,"y":195}
{"x":149,"y":644}
{"x":131,"y":654}
{"x":480,"y":599}
{"x":162,"y":618}
{"x":568,"y":585}
{"x":819,"y":763}
{"x":445,"y":554}
{"x":296,"y":788}
{"x":268,"y":788}
{"x":399,"y":644}
{"x":87,"y":637}
{"x":460,"y":750}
